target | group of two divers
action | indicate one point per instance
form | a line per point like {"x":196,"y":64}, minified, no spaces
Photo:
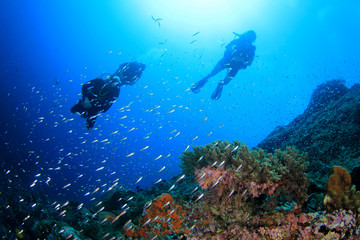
{"x":100,"y":93}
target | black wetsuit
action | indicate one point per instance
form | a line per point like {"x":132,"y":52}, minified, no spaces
{"x":239,"y":54}
{"x":101,"y":94}
{"x":130,"y":72}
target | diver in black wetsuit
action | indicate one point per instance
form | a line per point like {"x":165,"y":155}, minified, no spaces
{"x":239,"y":54}
{"x":98,"y":94}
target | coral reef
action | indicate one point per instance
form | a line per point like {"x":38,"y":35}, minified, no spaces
{"x":284,"y":225}
{"x":228,"y":191}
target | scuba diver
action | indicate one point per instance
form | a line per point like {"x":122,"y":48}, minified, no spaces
{"x":239,"y":54}
{"x":99,"y":94}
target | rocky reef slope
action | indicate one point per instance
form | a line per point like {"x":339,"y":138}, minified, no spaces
{"x":328,"y":130}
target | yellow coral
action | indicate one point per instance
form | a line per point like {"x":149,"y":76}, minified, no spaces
{"x":339,"y":183}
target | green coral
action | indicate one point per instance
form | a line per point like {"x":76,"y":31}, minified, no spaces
{"x":204,"y":155}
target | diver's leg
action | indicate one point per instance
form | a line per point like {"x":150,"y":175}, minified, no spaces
{"x":229,"y":76}
{"x":218,"y":68}
{"x":221,"y":65}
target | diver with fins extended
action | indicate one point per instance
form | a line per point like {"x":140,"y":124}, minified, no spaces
{"x":239,"y":54}
{"x":99,"y":94}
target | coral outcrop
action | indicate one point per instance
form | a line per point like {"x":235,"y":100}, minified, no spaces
{"x":340,"y":193}
{"x":339,"y":183}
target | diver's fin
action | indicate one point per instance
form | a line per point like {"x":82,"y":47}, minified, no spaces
{"x":217,"y":93}
{"x":90,"y":122}
{"x":197,"y":86}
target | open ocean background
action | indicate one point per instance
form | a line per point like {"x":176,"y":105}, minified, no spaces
{"x":49,"y":48}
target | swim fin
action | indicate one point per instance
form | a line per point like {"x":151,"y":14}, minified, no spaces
{"x":197,"y":86}
{"x":217,"y":93}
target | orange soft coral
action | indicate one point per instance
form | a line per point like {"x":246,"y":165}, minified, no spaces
{"x":162,"y":217}
{"x":339,"y":183}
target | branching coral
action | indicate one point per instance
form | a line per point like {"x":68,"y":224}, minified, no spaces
{"x":203,"y":156}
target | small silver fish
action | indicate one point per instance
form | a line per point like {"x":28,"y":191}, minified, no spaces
{"x":158,"y":157}
{"x":166,"y":204}
{"x":130,"y":154}
{"x":171,"y":188}
{"x":231,"y":193}
{"x":182,"y":176}
{"x":217,"y":181}
{"x":138,"y":180}
{"x":244,"y":193}
{"x":194,"y":189}
{"x":202,"y":176}
{"x":235,"y":148}
{"x":213,"y":164}
{"x":239,"y":168}
{"x":199,"y":197}
{"x":144,"y":148}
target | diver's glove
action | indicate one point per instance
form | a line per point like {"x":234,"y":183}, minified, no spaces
{"x":86,"y":103}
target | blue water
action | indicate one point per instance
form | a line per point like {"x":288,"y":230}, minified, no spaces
{"x":49,"y":48}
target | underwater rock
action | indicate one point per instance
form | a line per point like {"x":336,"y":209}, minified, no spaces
{"x":355,"y":176}
{"x":327,"y":130}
